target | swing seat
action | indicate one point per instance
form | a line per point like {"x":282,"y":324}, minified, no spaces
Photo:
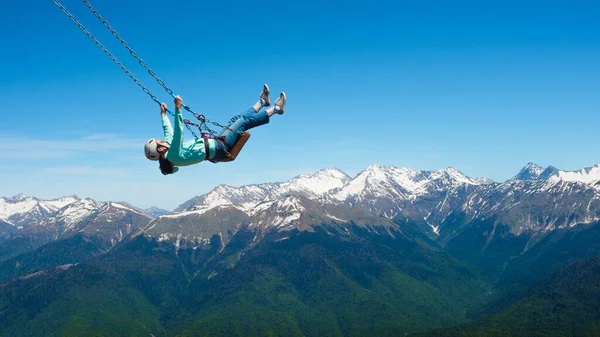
{"x":237,"y":147}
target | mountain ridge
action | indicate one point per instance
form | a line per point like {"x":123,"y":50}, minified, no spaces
{"x":387,"y":232}
{"x":443,"y":205}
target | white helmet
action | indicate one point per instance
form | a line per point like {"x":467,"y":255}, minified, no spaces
{"x":150,"y":149}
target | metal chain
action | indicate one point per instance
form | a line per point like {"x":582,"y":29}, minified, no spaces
{"x":187,"y":125}
{"x":153,"y":74}
{"x":131,"y":51}
{"x":135,"y":80}
{"x":143,"y":64}
{"x":204,"y":120}
{"x":110,"y":55}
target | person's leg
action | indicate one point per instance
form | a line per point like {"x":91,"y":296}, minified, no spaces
{"x":245,"y":122}
{"x":279,"y":104}
{"x":237,"y":124}
{"x":253,"y":117}
{"x":264,"y":100}
{"x":276,"y":109}
{"x":221,"y":151}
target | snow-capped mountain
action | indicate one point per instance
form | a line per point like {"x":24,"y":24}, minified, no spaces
{"x":19,"y":204}
{"x":31,"y":222}
{"x":535,"y":205}
{"x":536,"y":200}
{"x":531,"y":171}
{"x":485,"y":223}
{"x":111,"y":222}
{"x":68,"y":217}
{"x":329,"y":197}
{"x":61,"y":202}
{"x":314,"y":186}
{"x":376,"y":183}
{"x":440,"y":203}
{"x":400,"y":183}
{"x":391,"y":191}
{"x":197,"y":227}
{"x":74,"y":233}
{"x":155,"y":212}
{"x":588,"y":175}
{"x":21,"y":210}
{"x":302,"y":213}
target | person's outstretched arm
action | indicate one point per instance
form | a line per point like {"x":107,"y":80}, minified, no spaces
{"x":167,"y":128}
{"x":178,"y":130}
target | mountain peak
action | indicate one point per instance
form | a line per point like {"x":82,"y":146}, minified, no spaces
{"x":19,"y":204}
{"x":549,"y":173}
{"x":59,"y":203}
{"x":316,"y":184}
{"x":452,"y":176}
{"x":152,"y":208}
{"x":155,"y":212}
{"x":531,"y":171}
{"x":373,"y":167}
{"x":19,"y":198}
{"x":485,"y":181}
{"x":333,"y":173}
{"x":453,"y":173}
{"x":386,"y":168}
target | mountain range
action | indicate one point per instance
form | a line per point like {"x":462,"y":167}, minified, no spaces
{"x":440,"y":203}
{"x":500,"y":237}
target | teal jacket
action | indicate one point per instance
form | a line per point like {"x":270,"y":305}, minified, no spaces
{"x":184,"y":153}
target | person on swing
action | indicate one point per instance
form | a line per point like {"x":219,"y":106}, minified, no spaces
{"x":173,"y":152}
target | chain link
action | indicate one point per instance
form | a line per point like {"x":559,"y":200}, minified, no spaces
{"x":187,"y":125}
{"x":204,"y":120}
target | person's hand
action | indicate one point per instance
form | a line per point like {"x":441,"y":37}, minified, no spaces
{"x":178,"y":102}
{"x":163,"y":108}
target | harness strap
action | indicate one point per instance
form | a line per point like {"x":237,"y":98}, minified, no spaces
{"x":224,"y":141}
{"x":206,"y":147}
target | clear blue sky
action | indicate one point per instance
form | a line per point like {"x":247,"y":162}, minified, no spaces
{"x":482,"y":86}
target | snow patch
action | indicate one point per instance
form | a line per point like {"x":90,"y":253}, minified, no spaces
{"x":335,"y":218}
{"x":587,"y":175}
{"x":8,"y":208}
{"x":197,"y":212}
{"x":279,"y":221}
{"x":61,"y":202}
{"x":123,"y":207}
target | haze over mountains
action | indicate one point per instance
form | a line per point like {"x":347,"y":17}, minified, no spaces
{"x":425,"y":229}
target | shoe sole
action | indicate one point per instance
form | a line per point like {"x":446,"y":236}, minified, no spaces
{"x":265,"y":86}
{"x":284,"y":101}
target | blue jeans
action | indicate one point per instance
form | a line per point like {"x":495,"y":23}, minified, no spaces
{"x":240,"y":123}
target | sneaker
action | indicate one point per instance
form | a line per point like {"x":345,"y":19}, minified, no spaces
{"x":280,"y":103}
{"x":265,"y":99}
